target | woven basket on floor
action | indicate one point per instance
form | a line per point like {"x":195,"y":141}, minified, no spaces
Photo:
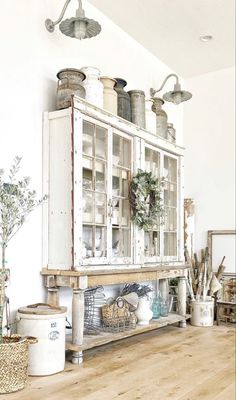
{"x":14,"y":363}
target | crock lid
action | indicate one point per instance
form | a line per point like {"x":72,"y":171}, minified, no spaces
{"x":42,"y":309}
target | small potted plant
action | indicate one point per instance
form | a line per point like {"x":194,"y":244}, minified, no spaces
{"x":16,"y":202}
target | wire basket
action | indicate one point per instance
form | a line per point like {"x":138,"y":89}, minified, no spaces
{"x":117,"y":317}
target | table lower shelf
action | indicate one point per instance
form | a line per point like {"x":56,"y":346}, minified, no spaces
{"x":105,"y":337}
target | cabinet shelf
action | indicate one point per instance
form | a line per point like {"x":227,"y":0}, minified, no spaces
{"x":105,"y":337}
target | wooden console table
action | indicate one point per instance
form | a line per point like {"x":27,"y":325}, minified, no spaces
{"x":79,"y":281}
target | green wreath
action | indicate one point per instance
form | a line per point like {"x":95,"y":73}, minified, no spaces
{"x":145,"y":200}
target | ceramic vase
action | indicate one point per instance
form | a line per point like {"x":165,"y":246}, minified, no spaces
{"x":69,"y":83}
{"x":150,"y":117}
{"x":109,"y":94}
{"x":93,"y":86}
{"x":143,"y":312}
{"x":161,"y":117}
{"x":137,"y":102}
{"x":123,"y":105}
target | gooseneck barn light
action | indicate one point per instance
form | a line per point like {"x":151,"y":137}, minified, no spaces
{"x":79,"y":27}
{"x":177,"y":96}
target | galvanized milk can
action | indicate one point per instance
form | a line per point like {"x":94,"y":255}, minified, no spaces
{"x":150,"y":117}
{"x":171,"y":133}
{"x":137,"y":101}
{"x":123,"y":106}
{"x":69,"y":82}
{"x":93,"y":86}
{"x":109,"y":94}
{"x":161,"y":117}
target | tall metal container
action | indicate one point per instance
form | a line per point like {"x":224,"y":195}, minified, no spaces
{"x":109,"y":94}
{"x":93,"y":86}
{"x":123,"y":105}
{"x":137,"y":101}
{"x":161,"y":117}
{"x":69,"y":82}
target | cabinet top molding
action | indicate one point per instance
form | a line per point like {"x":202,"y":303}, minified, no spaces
{"x":117,"y":122}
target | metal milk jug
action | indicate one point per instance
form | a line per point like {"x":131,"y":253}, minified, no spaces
{"x":69,"y":82}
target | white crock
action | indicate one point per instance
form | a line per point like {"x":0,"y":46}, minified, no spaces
{"x":93,"y":86}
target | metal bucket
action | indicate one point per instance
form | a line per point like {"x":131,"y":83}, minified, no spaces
{"x":69,"y":83}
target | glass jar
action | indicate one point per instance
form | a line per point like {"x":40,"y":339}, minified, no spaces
{"x":156,"y":308}
{"x":164,"y":308}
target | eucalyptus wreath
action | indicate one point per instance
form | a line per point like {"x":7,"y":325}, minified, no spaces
{"x":145,"y":200}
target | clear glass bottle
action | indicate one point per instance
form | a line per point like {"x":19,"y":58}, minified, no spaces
{"x":164,"y":308}
{"x":156,"y":308}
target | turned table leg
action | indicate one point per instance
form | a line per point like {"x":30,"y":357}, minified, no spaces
{"x":53,"y":296}
{"x":77,"y":324}
{"x":182,"y":297}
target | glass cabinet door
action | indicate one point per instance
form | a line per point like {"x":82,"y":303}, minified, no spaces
{"x":120,"y":209}
{"x":170,"y":203}
{"x":94,"y":196}
{"x":152,"y":237}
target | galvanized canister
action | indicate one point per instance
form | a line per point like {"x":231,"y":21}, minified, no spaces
{"x":150,"y":117}
{"x":109,"y":94}
{"x":171,"y":133}
{"x":161,"y":117}
{"x":69,"y":82}
{"x":137,"y":101}
{"x":123,"y":105}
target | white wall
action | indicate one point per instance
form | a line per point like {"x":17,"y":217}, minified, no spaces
{"x":209,"y":137}
{"x":30,"y":59}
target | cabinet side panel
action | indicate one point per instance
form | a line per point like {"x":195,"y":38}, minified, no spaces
{"x":60,"y":194}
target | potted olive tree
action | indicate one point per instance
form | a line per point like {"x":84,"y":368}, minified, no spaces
{"x":17,"y":200}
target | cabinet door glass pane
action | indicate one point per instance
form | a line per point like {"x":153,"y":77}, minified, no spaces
{"x":170,"y":202}
{"x":94,"y":165}
{"x":152,"y":238}
{"x":121,"y":226}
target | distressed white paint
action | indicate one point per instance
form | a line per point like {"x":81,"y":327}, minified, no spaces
{"x":65,"y":213}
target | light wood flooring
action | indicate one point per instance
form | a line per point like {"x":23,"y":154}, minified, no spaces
{"x":169,"y":363}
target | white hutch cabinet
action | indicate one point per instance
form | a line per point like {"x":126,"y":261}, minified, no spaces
{"x":89,"y":156}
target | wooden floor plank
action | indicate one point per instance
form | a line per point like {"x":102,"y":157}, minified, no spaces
{"x":167,"y":364}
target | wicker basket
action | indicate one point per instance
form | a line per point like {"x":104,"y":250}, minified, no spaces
{"x":14,"y":363}
{"x":117,"y":317}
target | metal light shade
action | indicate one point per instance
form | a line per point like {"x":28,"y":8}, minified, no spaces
{"x":88,"y":26}
{"x":176,"y":96}
{"x":78,"y":27}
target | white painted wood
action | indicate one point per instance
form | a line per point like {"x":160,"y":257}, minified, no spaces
{"x":60,"y":187}
{"x":45,"y":188}
{"x":78,"y":317}
{"x":125,"y":126}
{"x":182,"y":297}
{"x":77,"y":187}
{"x":63,"y":165}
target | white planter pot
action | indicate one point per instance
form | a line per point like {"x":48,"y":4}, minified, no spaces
{"x":143,"y":313}
{"x":202,"y":313}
